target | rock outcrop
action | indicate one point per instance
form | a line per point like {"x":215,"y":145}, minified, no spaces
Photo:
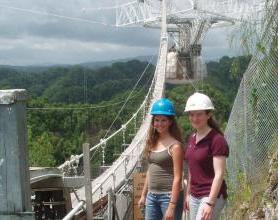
{"x":268,"y":208}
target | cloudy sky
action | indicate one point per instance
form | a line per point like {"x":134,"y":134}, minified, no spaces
{"x":39,"y":32}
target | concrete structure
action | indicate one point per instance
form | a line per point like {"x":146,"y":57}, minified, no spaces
{"x":14,"y":173}
{"x":50,"y":192}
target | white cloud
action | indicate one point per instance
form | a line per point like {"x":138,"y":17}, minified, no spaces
{"x":29,"y":36}
{"x":217,"y":44}
{"x":37,"y":50}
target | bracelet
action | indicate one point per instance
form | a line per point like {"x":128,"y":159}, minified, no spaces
{"x":210,"y":204}
{"x":174,"y":203}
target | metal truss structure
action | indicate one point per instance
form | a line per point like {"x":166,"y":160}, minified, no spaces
{"x":144,"y":12}
{"x":189,"y":20}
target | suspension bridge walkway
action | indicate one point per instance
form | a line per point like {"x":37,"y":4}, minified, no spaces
{"x":256,"y":91}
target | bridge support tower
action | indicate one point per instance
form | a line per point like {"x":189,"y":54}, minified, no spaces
{"x":14,"y":172}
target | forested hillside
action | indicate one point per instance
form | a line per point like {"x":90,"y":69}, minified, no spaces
{"x":221,"y":84}
{"x":66,"y":84}
{"x":71,"y":105}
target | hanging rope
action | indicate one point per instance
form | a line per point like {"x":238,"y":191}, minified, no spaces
{"x":54,"y":15}
{"x":127,"y":99}
{"x":82,"y":108}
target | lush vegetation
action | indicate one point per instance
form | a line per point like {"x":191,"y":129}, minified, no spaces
{"x":67,"y":84}
{"x":222,"y":83}
{"x":58,"y":118}
{"x":67,"y":105}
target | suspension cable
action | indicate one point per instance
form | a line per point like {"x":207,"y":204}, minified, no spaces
{"x":127,"y":99}
{"x":55,"y":15}
{"x":81,"y":108}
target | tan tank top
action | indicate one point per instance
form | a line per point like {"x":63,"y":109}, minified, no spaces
{"x":160,"y":171}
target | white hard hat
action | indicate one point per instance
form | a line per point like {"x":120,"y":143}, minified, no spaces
{"x":198,"y":101}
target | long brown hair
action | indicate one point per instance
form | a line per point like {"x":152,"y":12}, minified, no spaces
{"x":213,"y":124}
{"x":153,"y":135}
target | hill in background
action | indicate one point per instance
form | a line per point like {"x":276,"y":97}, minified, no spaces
{"x":64,"y":112}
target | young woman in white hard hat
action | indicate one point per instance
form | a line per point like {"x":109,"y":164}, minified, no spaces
{"x":206,"y":153}
{"x":162,"y":195}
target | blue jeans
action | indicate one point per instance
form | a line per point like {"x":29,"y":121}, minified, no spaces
{"x":196,"y":207}
{"x":157,"y":204}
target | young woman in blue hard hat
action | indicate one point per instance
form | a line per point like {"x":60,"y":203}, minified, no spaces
{"x":206,"y":154}
{"x":162,"y":194}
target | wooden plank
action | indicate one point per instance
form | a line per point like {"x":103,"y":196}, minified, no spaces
{"x":138,"y":184}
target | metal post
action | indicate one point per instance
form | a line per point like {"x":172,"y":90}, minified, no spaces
{"x":164,"y":19}
{"x":103,"y":145}
{"x":124,"y":128}
{"x":110,"y":204}
{"x":88,"y":186}
{"x":144,"y":112}
{"x":112,"y":209}
{"x":71,"y":214}
{"x":14,"y":171}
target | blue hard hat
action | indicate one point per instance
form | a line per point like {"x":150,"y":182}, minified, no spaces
{"x":163,"y":107}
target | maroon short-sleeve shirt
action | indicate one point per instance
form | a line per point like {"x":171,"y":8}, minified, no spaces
{"x":200,"y":162}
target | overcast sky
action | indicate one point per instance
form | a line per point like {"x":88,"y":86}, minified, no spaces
{"x":31,"y":34}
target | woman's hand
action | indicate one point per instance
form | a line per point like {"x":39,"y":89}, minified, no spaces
{"x":170,"y":212}
{"x":186,"y":203}
{"x":141,"y":202}
{"x":207,"y":212}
